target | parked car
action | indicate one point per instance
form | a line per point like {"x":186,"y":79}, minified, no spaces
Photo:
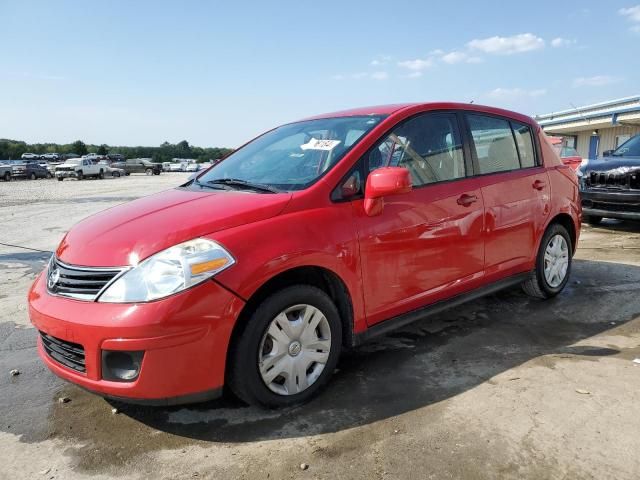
{"x":79,"y":168}
{"x":6,"y":171}
{"x":192,"y":167}
{"x":51,"y":156}
{"x":166,"y":166}
{"x":91,"y":156}
{"x":116,"y":157}
{"x":316,"y":236}
{"x":175,"y":167}
{"x":111,"y":170}
{"x":610,"y":186}
{"x":139,"y":165}
{"x":30,"y":156}
{"x":30,"y":170}
{"x":568,"y":155}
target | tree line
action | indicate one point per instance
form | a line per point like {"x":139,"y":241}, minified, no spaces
{"x":13,"y":149}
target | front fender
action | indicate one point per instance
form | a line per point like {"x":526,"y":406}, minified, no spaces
{"x":323,"y":237}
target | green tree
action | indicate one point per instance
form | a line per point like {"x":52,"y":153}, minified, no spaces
{"x":79,"y":147}
{"x":103,"y":149}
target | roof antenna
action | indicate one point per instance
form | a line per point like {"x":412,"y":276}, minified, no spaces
{"x":471,"y":102}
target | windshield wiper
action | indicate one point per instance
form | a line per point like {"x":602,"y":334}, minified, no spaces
{"x":236,"y":182}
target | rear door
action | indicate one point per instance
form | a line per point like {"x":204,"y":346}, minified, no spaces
{"x":515,"y":189}
{"x":428,"y":244}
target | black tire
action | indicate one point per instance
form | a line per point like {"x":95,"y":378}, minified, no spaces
{"x":80,"y":175}
{"x":592,"y":220}
{"x":243,"y":371}
{"x":148,"y":171}
{"x":49,"y":175}
{"x":156,"y":172}
{"x":7,"y":176}
{"x":537,"y":285}
{"x":101,"y":174}
{"x":127,"y":174}
{"x":116,"y":174}
{"x":60,"y":179}
{"x":33,"y":176}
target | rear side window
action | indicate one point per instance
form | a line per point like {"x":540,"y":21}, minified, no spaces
{"x":428,"y":145}
{"x":522,"y":133}
{"x":494,"y":144}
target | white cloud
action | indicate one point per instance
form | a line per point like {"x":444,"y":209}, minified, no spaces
{"x":596,"y":81}
{"x":562,"y":42}
{"x":454,"y":57}
{"x":380,"y":75}
{"x":524,"y":42}
{"x":380,"y":61}
{"x":514,"y":93}
{"x":632,"y":13}
{"x":417,"y":64}
{"x":457,"y":56}
{"x":414,"y":75}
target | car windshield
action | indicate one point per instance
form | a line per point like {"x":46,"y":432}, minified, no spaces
{"x":74,"y":161}
{"x":293,"y":156}
{"x":630,"y":148}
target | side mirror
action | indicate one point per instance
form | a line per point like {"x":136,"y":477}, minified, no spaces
{"x":608,"y":153}
{"x":384,"y":182}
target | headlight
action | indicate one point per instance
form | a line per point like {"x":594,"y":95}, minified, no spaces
{"x":168,"y":272}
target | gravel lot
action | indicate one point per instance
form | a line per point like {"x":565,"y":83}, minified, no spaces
{"x":504,"y":387}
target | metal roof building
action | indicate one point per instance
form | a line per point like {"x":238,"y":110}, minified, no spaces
{"x":592,"y":129}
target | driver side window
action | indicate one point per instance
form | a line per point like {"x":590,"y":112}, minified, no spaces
{"x":429,"y":146}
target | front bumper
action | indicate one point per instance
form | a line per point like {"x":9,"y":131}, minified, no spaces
{"x":184,"y":339}
{"x":66,"y":174}
{"x":621,"y":204}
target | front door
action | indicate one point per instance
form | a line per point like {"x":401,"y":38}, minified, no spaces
{"x":428,"y":244}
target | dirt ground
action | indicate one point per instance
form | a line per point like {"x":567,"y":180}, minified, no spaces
{"x":503,"y":387}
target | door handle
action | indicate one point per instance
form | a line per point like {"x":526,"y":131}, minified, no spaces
{"x":539,"y":184}
{"x":465,"y":200}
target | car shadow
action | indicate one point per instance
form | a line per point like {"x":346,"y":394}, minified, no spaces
{"x":628,"y":226}
{"x":429,"y":361}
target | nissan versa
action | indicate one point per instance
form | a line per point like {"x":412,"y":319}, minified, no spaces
{"x":312,"y":238}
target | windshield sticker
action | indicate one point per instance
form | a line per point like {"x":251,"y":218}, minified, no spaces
{"x":315,"y":144}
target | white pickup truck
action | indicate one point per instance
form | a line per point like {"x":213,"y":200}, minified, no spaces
{"x":79,"y":168}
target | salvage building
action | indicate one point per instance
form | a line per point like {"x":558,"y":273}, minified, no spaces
{"x":594,"y":129}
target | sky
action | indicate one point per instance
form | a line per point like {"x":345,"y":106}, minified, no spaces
{"x":217,"y":73}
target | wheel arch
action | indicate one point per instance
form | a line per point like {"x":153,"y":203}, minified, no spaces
{"x":320,"y":277}
{"x":567,"y":222}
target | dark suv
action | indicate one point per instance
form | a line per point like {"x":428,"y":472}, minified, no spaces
{"x":139,"y":165}
{"x":31,"y":170}
{"x":610,"y":186}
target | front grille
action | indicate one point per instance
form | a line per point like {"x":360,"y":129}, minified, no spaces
{"x":615,"y":180}
{"x":68,"y":354}
{"x":83,"y":283}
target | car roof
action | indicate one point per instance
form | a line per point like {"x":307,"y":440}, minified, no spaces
{"x":399,"y":107}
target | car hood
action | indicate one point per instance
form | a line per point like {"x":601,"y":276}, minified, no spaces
{"x":150,"y":224}
{"x":611,"y":163}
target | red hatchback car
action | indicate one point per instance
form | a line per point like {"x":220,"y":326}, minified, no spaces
{"x":314,"y":237}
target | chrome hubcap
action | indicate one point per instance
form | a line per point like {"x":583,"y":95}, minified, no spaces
{"x":556,"y":261}
{"x":294,"y":350}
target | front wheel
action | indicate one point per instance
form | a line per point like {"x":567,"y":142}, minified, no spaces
{"x":148,"y":171}
{"x":7,"y":176}
{"x":80,"y":175}
{"x":101,"y":175}
{"x":288,"y":349}
{"x":60,"y":179}
{"x":33,"y":176}
{"x":553,"y":264}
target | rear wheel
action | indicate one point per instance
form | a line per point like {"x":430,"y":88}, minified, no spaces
{"x":553,"y":264}
{"x":288,"y":349}
{"x":7,"y":176}
{"x":101,"y":174}
{"x":49,"y":175}
{"x":33,"y":176}
{"x":148,"y":171}
{"x":592,"y":220}
{"x":116,"y":174}
{"x":80,"y":175}
{"x":60,"y":179}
